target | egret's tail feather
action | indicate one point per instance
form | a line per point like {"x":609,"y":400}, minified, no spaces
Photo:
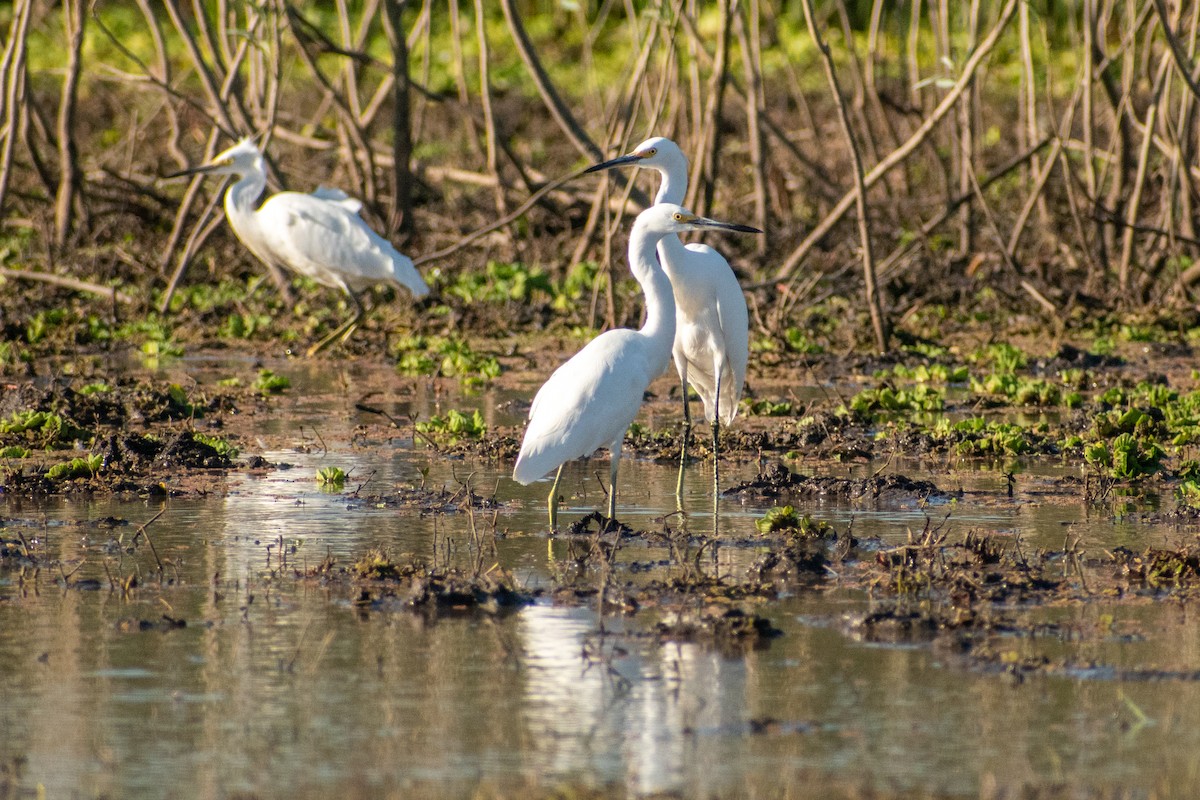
{"x":526,"y":472}
{"x":406,"y":275}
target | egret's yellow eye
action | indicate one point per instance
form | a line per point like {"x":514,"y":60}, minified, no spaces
{"x":652,"y":151}
{"x":678,"y":217}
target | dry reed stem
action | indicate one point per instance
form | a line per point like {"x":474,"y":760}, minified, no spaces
{"x":879,"y":322}
{"x":898,"y":155}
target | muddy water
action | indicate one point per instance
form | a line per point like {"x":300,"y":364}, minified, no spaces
{"x":280,"y":687}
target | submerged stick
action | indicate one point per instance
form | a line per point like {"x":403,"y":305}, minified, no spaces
{"x":143,"y":530}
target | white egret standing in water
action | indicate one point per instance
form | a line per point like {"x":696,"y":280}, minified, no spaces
{"x":590,"y":401}
{"x":318,"y":235}
{"x":712,"y":334}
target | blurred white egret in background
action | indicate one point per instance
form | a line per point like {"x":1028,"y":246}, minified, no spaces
{"x":712,"y":334}
{"x":318,"y":235}
{"x":590,"y":401}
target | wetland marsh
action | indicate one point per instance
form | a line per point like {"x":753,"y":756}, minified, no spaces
{"x":954,"y":551}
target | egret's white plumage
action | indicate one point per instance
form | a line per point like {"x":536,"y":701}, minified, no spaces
{"x":712,"y":334}
{"x":590,"y":401}
{"x":318,"y":235}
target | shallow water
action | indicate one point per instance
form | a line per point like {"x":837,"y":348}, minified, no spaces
{"x":285,"y":687}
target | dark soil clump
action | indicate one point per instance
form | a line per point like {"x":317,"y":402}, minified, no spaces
{"x":723,"y":626}
{"x":780,"y":482}
{"x":386,"y":584}
{"x":429,"y":501}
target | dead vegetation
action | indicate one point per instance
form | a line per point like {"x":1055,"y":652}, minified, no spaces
{"x":1028,"y":159}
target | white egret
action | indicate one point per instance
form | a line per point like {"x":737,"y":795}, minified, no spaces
{"x":590,"y":401}
{"x":318,"y":235}
{"x":712,"y":333}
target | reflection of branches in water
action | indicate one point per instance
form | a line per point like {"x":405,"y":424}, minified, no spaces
{"x":686,"y":551}
{"x":599,"y":651}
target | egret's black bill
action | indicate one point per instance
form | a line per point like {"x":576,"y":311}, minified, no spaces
{"x":621,"y":161}
{"x":201,"y":170}
{"x":705,"y":222}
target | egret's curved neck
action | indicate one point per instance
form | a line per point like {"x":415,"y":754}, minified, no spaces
{"x":242,"y":198}
{"x":660,"y":302}
{"x":673,"y":255}
{"x":673,"y":188}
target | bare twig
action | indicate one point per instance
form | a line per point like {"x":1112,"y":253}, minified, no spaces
{"x":500,"y":223}
{"x":401,"y":127}
{"x":901,"y":153}
{"x":67,"y":283}
{"x":68,"y":155}
{"x":12,"y":75}
{"x":878,"y":320}
{"x":1140,"y":180}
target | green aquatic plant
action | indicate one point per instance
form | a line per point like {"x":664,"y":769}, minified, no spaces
{"x":1126,"y":457}
{"x":270,"y":383}
{"x":799,"y":341}
{"x":1133,"y":421}
{"x":42,"y":428}
{"x":920,"y":398}
{"x":763,"y":407}
{"x":1023,"y":391}
{"x":156,"y":337}
{"x":84,"y":467}
{"x":178,"y":398}
{"x":929,"y":349}
{"x":777,"y":519}
{"x":207,"y":297}
{"x":460,"y":361}
{"x":222,"y":447}
{"x":979,"y":436}
{"x":15,"y":451}
{"x":929,"y":373}
{"x":377,"y":565}
{"x":453,"y":427}
{"x":1003,"y":357}
{"x":450,"y":357}
{"x":580,"y":281}
{"x":1188,"y":490}
{"x":331,"y":478}
{"x":786,"y":518}
{"x":43,"y":323}
{"x":239,"y":325}
{"x":501,"y":282}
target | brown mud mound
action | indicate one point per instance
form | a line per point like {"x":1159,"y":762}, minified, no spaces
{"x":127,"y":436}
{"x":385,"y":584}
{"x":428,"y":501}
{"x":780,"y":482}
{"x":723,"y":626}
{"x":898,"y":623}
{"x":129,"y":463}
{"x":823,"y":433}
{"x":595,"y":523}
{"x":797,"y":558}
